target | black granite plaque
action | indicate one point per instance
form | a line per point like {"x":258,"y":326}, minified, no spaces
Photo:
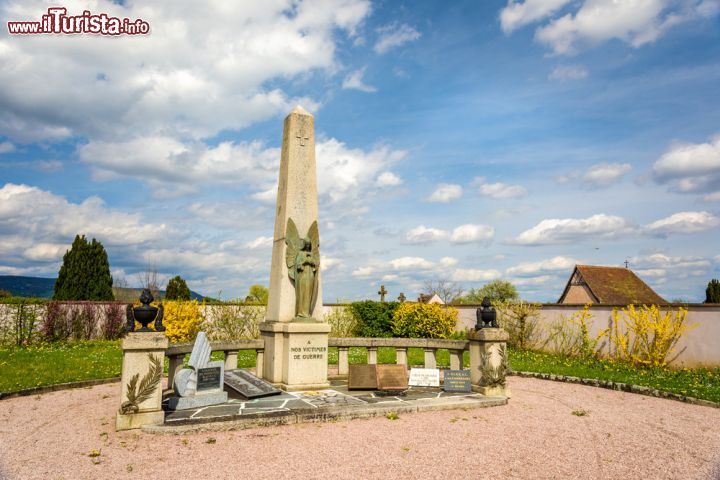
{"x":362,"y":377}
{"x":208,"y":378}
{"x":392,"y":377}
{"x":457,"y":381}
{"x":248,"y":385}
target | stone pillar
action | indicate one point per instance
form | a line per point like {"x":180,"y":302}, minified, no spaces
{"x":343,"y":362}
{"x":456,"y":359}
{"x":231,"y":357}
{"x":488,"y":361}
{"x":259,"y":361}
{"x":296,"y":351}
{"x":430,"y":360}
{"x":143,"y":360}
{"x":372,"y":355}
{"x":401,"y":356}
{"x":174,"y":365}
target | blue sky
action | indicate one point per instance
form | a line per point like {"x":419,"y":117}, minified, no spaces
{"x":463,"y":141}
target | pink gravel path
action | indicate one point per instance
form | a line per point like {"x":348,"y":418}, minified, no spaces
{"x":535,"y":436}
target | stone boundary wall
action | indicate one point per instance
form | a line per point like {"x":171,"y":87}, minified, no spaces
{"x":698,"y":347}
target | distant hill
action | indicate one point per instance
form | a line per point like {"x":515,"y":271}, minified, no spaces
{"x":44,"y":288}
{"x":28,"y":286}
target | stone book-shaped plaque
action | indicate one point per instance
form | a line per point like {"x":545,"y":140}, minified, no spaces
{"x":392,"y":377}
{"x":248,"y":385}
{"x":457,"y":381}
{"x":362,"y":377}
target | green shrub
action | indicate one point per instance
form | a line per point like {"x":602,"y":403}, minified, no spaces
{"x":233,"y":321}
{"x":341,"y":321}
{"x":374,"y":319}
{"x":21,"y":330}
{"x":520,"y":319}
{"x":177,"y":289}
{"x":420,"y":320}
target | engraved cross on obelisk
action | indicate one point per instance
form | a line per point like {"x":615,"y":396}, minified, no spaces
{"x":302,"y":135}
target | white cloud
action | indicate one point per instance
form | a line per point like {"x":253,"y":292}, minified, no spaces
{"x":50,"y":252}
{"x":330,"y":263}
{"x":604,"y":174}
{"x":555,"y":230}
{"x":517,"y":14}
{"x":52,"y":217}
{"x":363,"y":272}
{"x":388,"y":179}
{"x":498,"y":190}
{"x":636,"y":22}
{"x":260,"y":242}
{"x":354,"y":81}
{"x":683,"y":222}
{"x":472,"y":233}
{"x":599,"y":175}
{"x":474,"y":275}
{"x":410,"y":263}
{"x":690,"y":168}
{"x":554,"y":264}
{"x":346,"y":174}
{"x":661,"y":260}
{"x":530,"y":281}
{"x":445,"y":192}
{"x":392,"y":36}
{"x":568,"y":72}
{"x":448,"y":262}
{"x":711,"y":197}
{"x":423,"y":234}
{"x":193,"y":76}
{"x":6,"y":147}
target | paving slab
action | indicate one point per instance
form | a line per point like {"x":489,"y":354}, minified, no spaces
{"x":336,"y":403}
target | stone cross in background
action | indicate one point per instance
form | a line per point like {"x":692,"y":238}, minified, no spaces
{"x":401,"y":298}
{"x":382,"y":293}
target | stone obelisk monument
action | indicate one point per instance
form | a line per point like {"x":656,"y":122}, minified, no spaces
{"x":296,"y":338}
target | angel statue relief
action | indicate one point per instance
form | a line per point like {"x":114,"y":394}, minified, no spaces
{"x":303,"y":262}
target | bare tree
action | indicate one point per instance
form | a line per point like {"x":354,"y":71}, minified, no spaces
{"x":148,"y":278}
{"x":445,"y":289}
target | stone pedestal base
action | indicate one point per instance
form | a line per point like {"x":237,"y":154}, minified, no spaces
{"x":137,"y":420}
{"x":195,"y":401}
{"x":296,"y":354}
{"x":488,"y":358}
{"x":143,"y":358}
{"x":492,"y":391}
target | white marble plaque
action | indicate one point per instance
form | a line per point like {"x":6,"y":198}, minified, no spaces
{"x":424,"y":377}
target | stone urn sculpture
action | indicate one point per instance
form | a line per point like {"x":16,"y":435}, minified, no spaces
{"x":145,"y":314}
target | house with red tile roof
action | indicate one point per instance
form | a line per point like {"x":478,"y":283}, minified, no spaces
{"x":609,"y":286}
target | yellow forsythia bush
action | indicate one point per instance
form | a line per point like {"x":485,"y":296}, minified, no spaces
{"x":646,"y":335}
{"x":420,"y":320}
{"x":182,"y":320}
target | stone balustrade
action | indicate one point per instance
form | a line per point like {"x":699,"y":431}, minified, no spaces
{"x":429,"y":345}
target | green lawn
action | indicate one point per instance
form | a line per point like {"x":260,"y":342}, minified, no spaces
{"x":58,"y":363}
{"x":69,"y":362}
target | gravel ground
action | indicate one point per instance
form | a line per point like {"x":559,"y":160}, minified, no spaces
{"x":536,"y":436}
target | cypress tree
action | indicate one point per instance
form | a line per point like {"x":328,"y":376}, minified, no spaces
{"x":84,"y":273}
{"x":177,"y":289}
{"x":712,"y":292}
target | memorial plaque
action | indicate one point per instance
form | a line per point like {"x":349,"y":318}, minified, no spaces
{"x":457,"y":381}
{"x":392,"y":377}
{"x":248,"y":385}
{"x":208,"y":378}
{"x":424,"y":377}
{"x":362,"y":377}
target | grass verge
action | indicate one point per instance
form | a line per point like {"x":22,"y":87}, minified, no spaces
{"x":50,"y":364}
